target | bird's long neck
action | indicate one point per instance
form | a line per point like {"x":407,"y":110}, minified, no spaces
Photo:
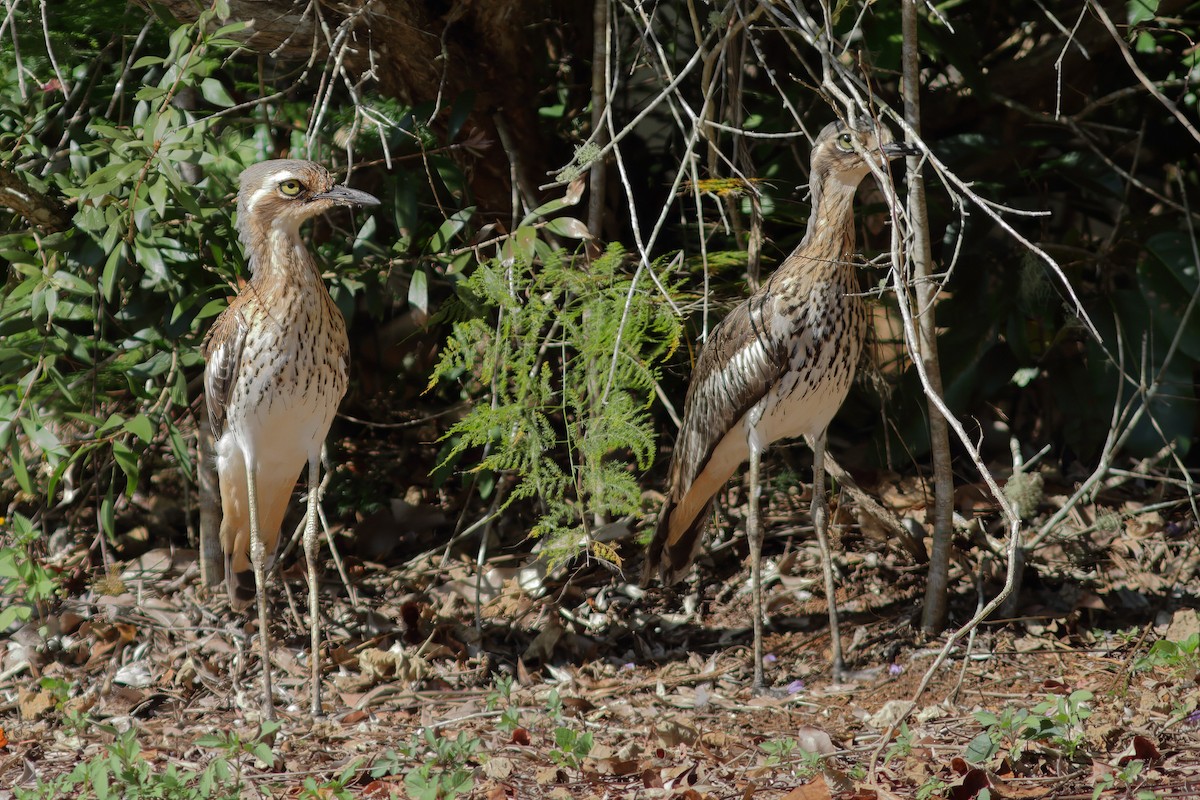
{"x":277,"y":255}
{"x":829,"y":238}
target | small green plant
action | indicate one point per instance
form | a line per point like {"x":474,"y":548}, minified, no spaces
{"x":1006,"y":730}
{"x":509,"y":720}
{"x":233,"y":746}
{"x":123,"y":771}
{"x":554,"y":706}
{"x":501,"y":690}
{"x":501,"y":694}
{"x":566,"y":353}
{"x":1176,"y":657}
{"x":333,"y":788}
{"x":1057,"y":721}
{"x":1127,"y":778}
{"x":778,"y":751}
{"x":62,"y":690}
{"x":902,"y":746}
{"x":24,"y":580}
{"x":571,"y":747}
{"x":934,"y":787}
{"x":787,"y":752}
{"x":443,"y":765}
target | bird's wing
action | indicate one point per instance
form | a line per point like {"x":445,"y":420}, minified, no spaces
{"x":222,"y":359}
{"x":743,"y":358}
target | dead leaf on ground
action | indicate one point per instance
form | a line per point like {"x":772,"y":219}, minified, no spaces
{"x":675,"y":731}
{"x":815,"y":790}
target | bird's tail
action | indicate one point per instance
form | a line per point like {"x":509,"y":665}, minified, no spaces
{"x":669,"y":557}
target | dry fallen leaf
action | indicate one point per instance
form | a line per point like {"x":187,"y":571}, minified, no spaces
{"x":674,"y":731}
{"x":498,"y":768}
{"x":815,"y":790}
{"x":1143,"y":750}
{"x":33,"y":703}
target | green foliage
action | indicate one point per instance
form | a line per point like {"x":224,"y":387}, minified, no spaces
{"x":934,"y":787}
{"x":902,"y":746}
{"x":92,"y":316}
{"x":787,"y":752}
{"x":334,"y":788}
{"x":101,"y":320}
{"x":567,"y":353}
{"x":501,"y":695}
{"x":25,"y":583}
{"x":1127,"y":778}
{"x":1181,"y":658}
{"x":570,"y":747}
{"x":1057,"y":721}
{"x":122,"y":771}
{"x":443,"y":765}
{"x":778,"y":750}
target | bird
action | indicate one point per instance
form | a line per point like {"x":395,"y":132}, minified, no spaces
{"x":778,"y":366}
{"x":276,"y":369}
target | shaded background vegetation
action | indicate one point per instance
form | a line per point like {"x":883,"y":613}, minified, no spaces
{"x":484,"y":128}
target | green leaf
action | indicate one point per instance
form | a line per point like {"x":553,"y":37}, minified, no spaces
{"x":1139,"y":11}
{"x":214,"y":92}
{"x":149,"y":93}
{"x":418,"y":290}
{"x":127,"y":460}
{"x":141,"y":427}
{"x":112,"y":271}
{"x":981,"y":749}
{"x":14,"y":613}
{"x":20,"y":472}
{"x":558,"y":204}
{"x":449,"y":229}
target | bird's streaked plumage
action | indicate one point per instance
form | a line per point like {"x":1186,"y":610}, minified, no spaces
{"x":276,"y":365}
{"x":781,"y":363}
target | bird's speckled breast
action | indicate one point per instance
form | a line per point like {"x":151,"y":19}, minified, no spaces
{"x":294,"y":373}
{"x":822,"y":352}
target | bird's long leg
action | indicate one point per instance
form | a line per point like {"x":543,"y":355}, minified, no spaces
{"x":310,"y":555}
{"x":755,"y":535}
{"x":820,"y":519}
{"x":258,"y":559}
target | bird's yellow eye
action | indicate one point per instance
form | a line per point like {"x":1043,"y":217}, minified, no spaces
{"x":846,"y":141}
{"x":291,"y":187}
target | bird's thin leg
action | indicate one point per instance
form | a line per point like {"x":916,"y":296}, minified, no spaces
{"x":755,"y":536}
{"x":258,"y":559}
{"x":820,"y":519}
{"x":310,"y":555}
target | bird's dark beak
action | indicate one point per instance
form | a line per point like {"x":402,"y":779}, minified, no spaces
{"x":345,"y":196}
{"x":896,"y":149}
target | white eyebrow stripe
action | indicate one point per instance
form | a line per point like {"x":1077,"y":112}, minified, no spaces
{"x":268,"y":187}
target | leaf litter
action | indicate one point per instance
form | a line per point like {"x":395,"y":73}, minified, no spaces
{"x":518,"y":681}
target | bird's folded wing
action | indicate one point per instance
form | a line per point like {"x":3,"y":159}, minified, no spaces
{"x":742,"y":360}
{"x":222,"y":357}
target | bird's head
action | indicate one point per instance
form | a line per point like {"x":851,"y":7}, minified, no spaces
{"x":277,"y":196}
{"x":841,"y":151}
